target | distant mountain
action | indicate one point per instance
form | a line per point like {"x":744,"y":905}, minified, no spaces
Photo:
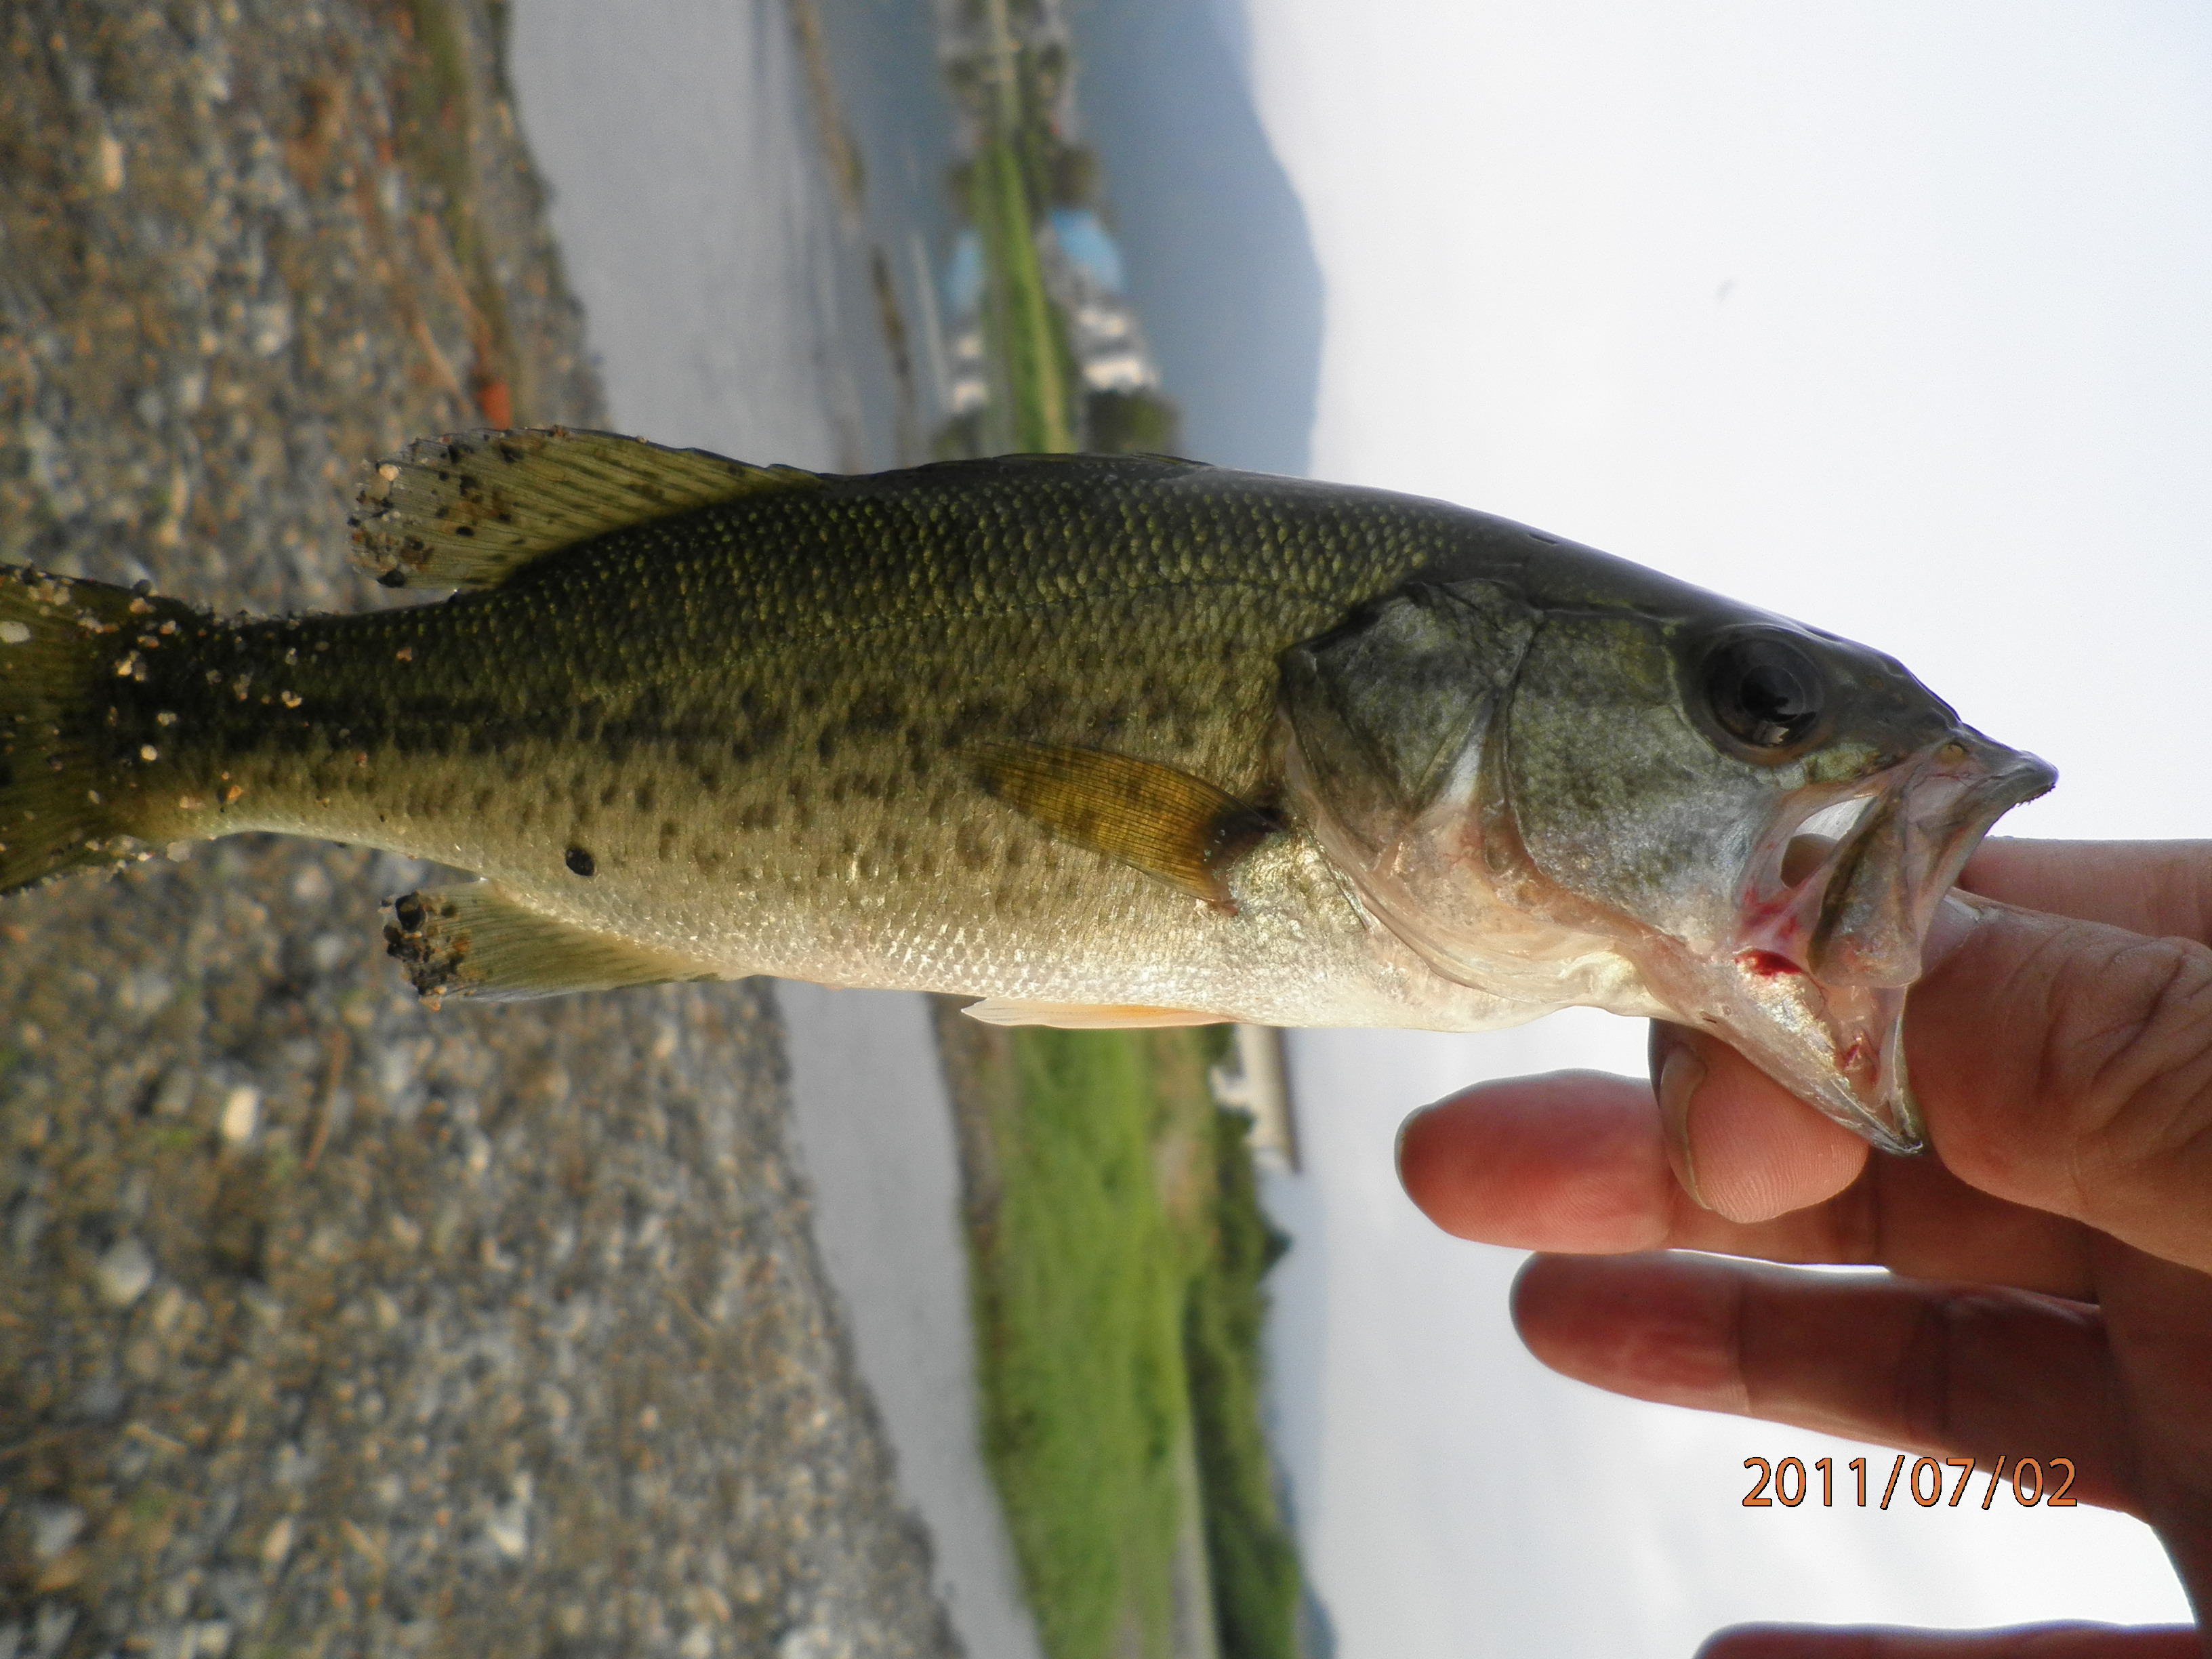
{"x":1220,"y":264}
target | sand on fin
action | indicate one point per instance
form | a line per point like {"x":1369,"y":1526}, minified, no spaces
{"x":480,"y":941}
{"x":72,"y":795}
{"x":1085,"y":1016}
{"x":470,"y":510}
{"x":1173,"y":826}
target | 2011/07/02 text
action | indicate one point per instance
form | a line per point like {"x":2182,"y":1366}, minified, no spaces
{"x":1789,"y":1482}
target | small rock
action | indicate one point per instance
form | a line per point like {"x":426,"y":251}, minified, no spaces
{"x":174,"y":1098}
{"x":242,"y":1115}
{"x":54,"y":1528}
{"x":262,"y":1304}
{"x":30,"y":1218}
{"x":269,"y":327}
{"x":107,"y":164}
{"x":146,"y":992}
{"x":143,"y":1358}
{"x":277,"y":1543}
{"x":55,"y":1621}
{"x":508,"y":1529}
{"x":509,"y":1533}
{"x":124,"y":1272}
{"x":169,"y":1308}
{"x":100,"y":1400}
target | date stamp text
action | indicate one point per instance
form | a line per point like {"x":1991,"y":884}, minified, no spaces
{"x":2029,"y":1480}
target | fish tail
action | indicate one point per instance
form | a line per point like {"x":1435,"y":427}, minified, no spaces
{"x":64,"y":802}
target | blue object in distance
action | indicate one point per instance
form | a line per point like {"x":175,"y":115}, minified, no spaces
{"x":963,"y":273}
{"x":1089,"y":247}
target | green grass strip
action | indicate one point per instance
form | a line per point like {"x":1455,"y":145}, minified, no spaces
{"x":1254,"y":1562}
{"x":1027,"y":345}
{"x":1079,"y":1301}
{"x":1119,"y":1250}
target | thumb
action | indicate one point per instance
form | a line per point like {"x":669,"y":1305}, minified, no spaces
{"x":2067,"y":1065}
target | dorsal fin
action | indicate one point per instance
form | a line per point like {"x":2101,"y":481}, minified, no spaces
{"x":470,"y":510}
{"x":1171,"y":825}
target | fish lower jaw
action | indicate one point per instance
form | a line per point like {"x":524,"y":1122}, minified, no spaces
{"x":1838,"y":1048}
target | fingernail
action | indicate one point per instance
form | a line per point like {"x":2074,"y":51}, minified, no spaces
{"x":1957,"y":916}
{"x":1398,"y":1146}
{"x":1679,"y":1074}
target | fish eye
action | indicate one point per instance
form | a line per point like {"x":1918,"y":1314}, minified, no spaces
{"x":1764,"y":691}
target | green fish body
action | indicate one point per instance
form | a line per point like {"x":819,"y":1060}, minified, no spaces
{"x":1098,"y":740}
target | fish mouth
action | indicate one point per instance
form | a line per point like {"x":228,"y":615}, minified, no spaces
{"x":1834,"y":909}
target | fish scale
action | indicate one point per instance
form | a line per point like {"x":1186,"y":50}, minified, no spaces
{"x":1099,"y":740}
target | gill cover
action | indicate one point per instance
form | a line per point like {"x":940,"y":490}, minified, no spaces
{"x":1396,"y":719}
{"x":1386,"y":706}
{"x":1585,"y":786}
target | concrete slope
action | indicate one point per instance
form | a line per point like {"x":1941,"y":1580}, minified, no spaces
{"x":875,"y":1131}
{"x":726,"y":297}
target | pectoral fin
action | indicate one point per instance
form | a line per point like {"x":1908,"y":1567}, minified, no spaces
{"x":1082,"y":1017}
{"x":1168,"y":824}
{"x":479,"y":941}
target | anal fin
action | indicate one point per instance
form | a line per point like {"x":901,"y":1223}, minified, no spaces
{"x":1085,"y":1017}
{"x":1167,"y":823}
{"x":479,"y":941}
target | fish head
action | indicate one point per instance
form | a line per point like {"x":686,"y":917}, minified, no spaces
{"x":1646,"y":798}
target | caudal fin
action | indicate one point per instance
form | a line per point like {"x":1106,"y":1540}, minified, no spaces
{"x":63,"y":640}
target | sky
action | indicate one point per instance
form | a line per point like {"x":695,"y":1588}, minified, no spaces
{"x":1891,"y":317}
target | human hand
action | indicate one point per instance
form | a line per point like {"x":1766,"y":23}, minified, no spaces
{"x":2052,"y":1258}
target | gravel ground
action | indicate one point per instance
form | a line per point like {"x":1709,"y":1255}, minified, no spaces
{"x":329,"y":1326}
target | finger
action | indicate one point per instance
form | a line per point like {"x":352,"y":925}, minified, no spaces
{"x":2028,"y":1641}
{"x":2063,"y":1065}
{"x":1912,"y":1215}
{"x":1939,"y":1369}
{"x":1741,"y":1147}
{"x":1590,"y":1177}
{"x":2149,"y":887}
{"x":1577,"y":1163}
{"x":2067,"y":1066}
{"x":1569,"y":1162}
{"x":2158,"y":1319}
{"x":1731,"y":1151}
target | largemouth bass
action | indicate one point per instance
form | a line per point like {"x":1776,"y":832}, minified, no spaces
{"x":1099,"y":741}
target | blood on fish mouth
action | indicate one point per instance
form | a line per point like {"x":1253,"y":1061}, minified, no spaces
{"x":1834,"y":904}
{"x":1767,"y":963}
